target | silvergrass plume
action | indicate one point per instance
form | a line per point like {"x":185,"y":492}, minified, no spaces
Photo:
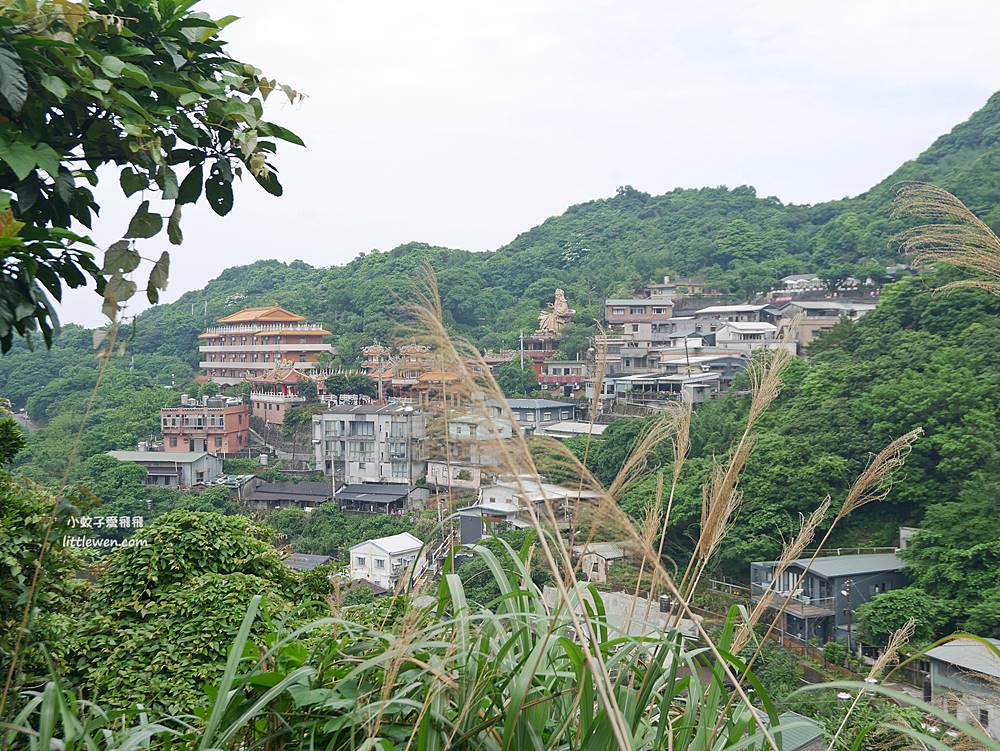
{"x":952,"y":235}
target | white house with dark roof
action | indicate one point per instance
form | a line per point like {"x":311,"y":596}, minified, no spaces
{"x":176,"y":469}
{"x":386,"y":560}
{"x":538,"y":412}
{"x":965,"y":680}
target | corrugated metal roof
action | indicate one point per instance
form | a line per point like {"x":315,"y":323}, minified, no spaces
{"x":180,"y":457}
{"x":536,"y":403}
{"x":305,"y":561}
{"x":969,"y":654}
{"x":852,"y":565}
{"x":395,"y":544}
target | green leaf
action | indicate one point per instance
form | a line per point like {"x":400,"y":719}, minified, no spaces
{"x":190,"y":189}
{"x":144,"y":223}
{"x":268,"y":181}
{"x":47,"y":158}
{"x":13,"y":85}
{"x":19,"y":156}
{"x":174,"y":233}
{"x":137,"y":74}
{"x":189,"y":98}
{"x":120,"y":258}
{"x":158,"y":276}
{"x":56,"y":86}
{"x":112,"y":66}
{"x":132,"y":181}
{"x":168,"y":183}
{"x":271,"y":129}
{"x":101,"y":84}
{"x":219,"y":193}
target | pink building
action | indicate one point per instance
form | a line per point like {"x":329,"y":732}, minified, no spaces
{"x":216,"y":424}
{"x":272,"y":394}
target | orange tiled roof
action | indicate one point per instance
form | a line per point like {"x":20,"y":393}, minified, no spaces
{"x":267,"y":313}
{"x":282,"y":375}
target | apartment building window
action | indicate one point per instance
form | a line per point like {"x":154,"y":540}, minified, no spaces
{"x":173,"y":441}
{"x":363,"y":428}
{"x":565,"y":413}
{"x":380,"y":563}
{"x":218,"y":441}
{"x":637,"y":311}
{"x":359,"y":560}
{"x":659,"y":311}
{"x":618,"y":311}
{"x":243,"y":340}
{"x":546,"y":416}
{"x":399,"y":469}
{"x":397,"y":429}
{"x":529,"y":416}
{"x":984,"y":717}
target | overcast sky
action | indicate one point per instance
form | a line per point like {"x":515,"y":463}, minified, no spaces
{"x":464,"y":123}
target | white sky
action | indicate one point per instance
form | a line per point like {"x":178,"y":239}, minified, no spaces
{"x":464,"y":123}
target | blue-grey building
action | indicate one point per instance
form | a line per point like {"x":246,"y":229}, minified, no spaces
{"x":822,"y":596}
{"x":965,"y":680}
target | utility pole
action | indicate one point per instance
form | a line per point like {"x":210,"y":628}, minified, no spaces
{"x":522,"y":349}
{"x":848,"y":592}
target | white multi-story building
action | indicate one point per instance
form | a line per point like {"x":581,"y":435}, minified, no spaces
{"x":386,"y":560}
{"x":371,"y":443}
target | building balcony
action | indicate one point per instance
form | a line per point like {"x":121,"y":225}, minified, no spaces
{"x":243,"y":328}
{"x":257,"y":366}
{"x":562,"y":379}
{"x":192,"y":429}
{"x":277,"y":398}
{"x":278,"y":347}
{"x":799,"y":605}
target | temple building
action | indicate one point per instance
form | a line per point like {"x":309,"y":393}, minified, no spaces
{"x":273,"y":393}
{"x":255,"y":341}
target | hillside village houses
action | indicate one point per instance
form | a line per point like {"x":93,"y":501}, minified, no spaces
{"x":965,"y":680}
{"x":651,"y":355}
{"x":385,"y":561}
{"x":508,"y":504}
{"x":173,"y":469}
{"x":212,"y":424}
{"x":817,"y":599}
{"x":471,"y":451}
{"x":373,"y":443}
